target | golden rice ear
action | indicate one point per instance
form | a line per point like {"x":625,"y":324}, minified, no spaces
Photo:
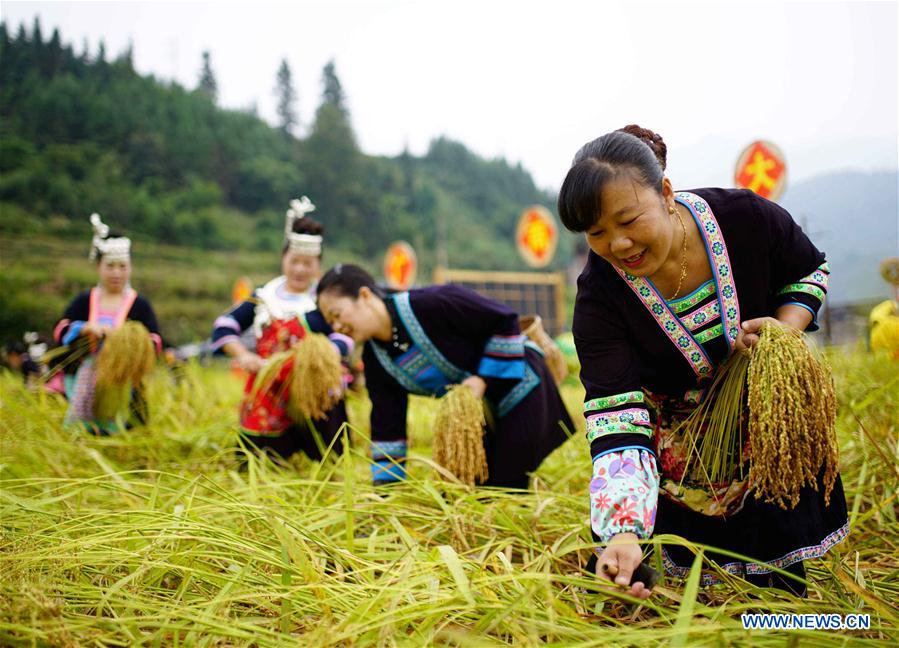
{"x":792,"y":418}
{"x":316,"y":378}
{"x":459,"y":436}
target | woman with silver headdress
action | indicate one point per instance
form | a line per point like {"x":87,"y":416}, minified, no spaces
{"x":91,"y":316}
{"x":281,"y":313}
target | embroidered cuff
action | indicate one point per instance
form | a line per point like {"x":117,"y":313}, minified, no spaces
{"x":503,"y":357}
{"x":617,"y":414}
{"x":624,"y":494}
{"x":634,"y":420}
{"x":809,"y":292}
{"x":613,"y":401}
{"x":73,"y":332}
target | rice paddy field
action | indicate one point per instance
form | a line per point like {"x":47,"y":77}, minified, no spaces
{"x":170,"y":535}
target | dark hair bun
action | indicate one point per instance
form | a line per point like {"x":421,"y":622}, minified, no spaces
{"x":306,"y":225}
{"x":653,"y":140}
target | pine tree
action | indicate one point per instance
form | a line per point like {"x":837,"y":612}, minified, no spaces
{"x":332,"y":92}
{"x":52,"y":62}
{"x":334,"y":166}
{"x":287,"y":97}
{"x":126,"y":58}
{"x":37,"y":38}
{"x":208,"y":84}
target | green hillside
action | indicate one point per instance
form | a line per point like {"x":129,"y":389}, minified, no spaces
{"x":82,"y":133}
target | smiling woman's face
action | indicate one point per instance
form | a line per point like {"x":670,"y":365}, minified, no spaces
{"x":358,"y":317}
{"x":634,"y":232}
{"x":300,"y":270}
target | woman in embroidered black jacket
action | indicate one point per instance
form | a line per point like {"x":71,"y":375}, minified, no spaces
{"x":424,"y":340}
{"x":676,"y":281}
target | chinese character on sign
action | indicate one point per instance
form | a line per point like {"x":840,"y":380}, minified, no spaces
{"x":761,"y":168}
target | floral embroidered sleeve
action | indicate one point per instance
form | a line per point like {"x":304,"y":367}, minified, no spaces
{"x":808,"y":292}
{"x":624,"y":494}
{"x":624,"y":485}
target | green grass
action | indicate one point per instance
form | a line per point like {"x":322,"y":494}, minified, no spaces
{"x":157,"y":538}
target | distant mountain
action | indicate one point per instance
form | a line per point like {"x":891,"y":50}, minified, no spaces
{"x":854,"y":218}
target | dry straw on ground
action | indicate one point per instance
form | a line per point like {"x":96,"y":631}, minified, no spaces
{"x":157,"y":537}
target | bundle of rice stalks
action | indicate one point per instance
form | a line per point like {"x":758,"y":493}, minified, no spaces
{"x":792,"y":416}
{"x":125,"y":360}
{"x":788,"y":395}
{"x":309,"y":373}
{"x":459,"y":436}
{"x":714,"y":432}
{"x":127,"y":355}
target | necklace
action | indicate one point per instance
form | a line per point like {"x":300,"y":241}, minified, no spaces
{"x":683,"y":262}
{"x":395,"y":340}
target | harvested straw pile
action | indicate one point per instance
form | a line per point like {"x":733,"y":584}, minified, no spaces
{"x":459,"y":436}
{"x":158,"y":539}
{"x":125,"y":360}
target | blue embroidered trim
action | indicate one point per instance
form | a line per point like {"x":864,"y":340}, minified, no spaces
{"x":741,"y":568}
{"x":423,"y":342}
{"x":674,"y":303}
{"x":387,"y":449}
{"x":525,"y":386}
{"x":407,"y":382}
{"x":505,"y":346}
{"x":512,"y":369}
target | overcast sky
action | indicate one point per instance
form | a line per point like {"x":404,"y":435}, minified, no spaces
{"x":533,"y":81}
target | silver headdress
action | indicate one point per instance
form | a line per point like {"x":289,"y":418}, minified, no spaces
{"x":309,"y":244}
{"x":113,"y":249}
